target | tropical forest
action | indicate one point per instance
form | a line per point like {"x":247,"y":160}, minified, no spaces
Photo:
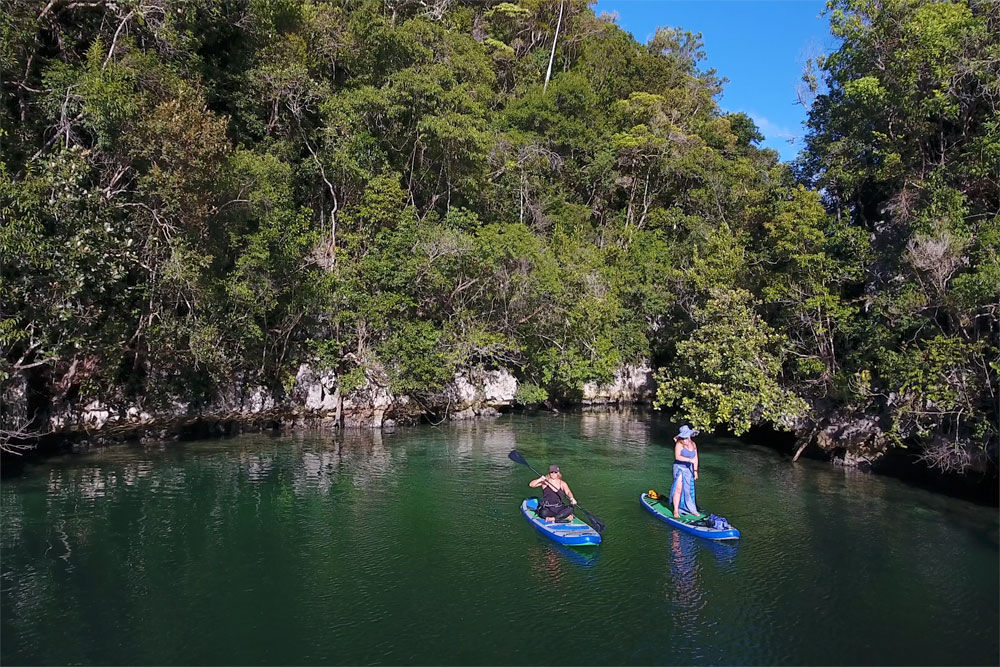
{"x":199,"y":197}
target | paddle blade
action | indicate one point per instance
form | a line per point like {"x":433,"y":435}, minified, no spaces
{"x":516,"y":457}
{"x":591,"y":520}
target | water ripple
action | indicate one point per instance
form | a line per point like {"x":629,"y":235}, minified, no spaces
{"x":410,"y":548}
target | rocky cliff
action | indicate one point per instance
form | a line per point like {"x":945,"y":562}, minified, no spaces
{"x":316,"y":399}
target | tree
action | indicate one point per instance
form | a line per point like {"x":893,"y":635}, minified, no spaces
{"x":728,"y":371}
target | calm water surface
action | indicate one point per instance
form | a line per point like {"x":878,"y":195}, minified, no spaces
{"x":408,"y":547}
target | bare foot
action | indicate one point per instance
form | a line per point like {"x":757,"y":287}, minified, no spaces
{"x":676,"y":515}
{"x":570,"y":517}
{"x":550,"y":519}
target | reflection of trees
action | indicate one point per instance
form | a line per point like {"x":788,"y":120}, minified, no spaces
{"x":11,"y":516}
{"x":161,"y":523}
{"x":370,"y":462}
{"x":495,"y":438}
{"x":615,"y":427}
{"x":97,"y":481}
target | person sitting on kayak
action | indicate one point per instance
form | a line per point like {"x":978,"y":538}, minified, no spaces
{"x":552,"y":507}
{"x":685,"y":472}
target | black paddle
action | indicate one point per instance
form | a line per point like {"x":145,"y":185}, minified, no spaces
{"x":589,"y":518}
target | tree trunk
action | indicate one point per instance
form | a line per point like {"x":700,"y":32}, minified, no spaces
{"x":339,"y":398}
{"x":555,"y":38}
{"x":798,"y":453}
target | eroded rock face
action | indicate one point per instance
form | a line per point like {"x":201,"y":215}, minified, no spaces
{"x":860,"y":441}
{"x":95,"y":414}
{"x":315,"y":390}
{"x":498,"y":388}
{"x":478,"y":393}
{"x":368,"y":406}
{"x":14,"y":403}
{"x":137,"y":415}
{"x":852,"y":460}
{"x":258,"y":399}
{"x":631,"y":384}
{"x":315,"y":399}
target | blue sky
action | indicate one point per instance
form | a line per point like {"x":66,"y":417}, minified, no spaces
{"x":759,"y":45}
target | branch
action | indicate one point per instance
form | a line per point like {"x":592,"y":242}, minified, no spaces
{"x":55,"y":6}
{"x":114,"y":39}
{"x":9,"y":436}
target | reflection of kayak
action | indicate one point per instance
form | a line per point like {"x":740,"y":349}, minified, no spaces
{"x":574,"y":533}
{"x":687,"y":522}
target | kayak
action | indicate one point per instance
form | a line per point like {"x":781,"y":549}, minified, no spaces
{"x":686,"y":522}
{"x":573,"y":533}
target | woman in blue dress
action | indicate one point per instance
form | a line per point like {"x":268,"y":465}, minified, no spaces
{"x":685,"y":472}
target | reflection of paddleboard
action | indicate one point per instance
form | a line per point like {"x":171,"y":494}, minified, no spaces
{"x":687,"y":522}
{"x":583,"y":557}
{"x":574,"y":533}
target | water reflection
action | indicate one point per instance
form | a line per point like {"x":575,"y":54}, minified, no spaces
{"x":257,"y":467}
{"x":548,"y":564}
{"x":622,"y":428}
{"x":725,"y":552}
{"x":686,"y":591}
{"x":318,"y":471}
{"x":362,"y":547}
{"x":686,"y":596}
{"x":95,"y":482}
{"x":551,"y":561}
{"x":468,"y":440}
{"x":586,"y":557}
{"x":369,"y":459}
{"x":493,"y":438}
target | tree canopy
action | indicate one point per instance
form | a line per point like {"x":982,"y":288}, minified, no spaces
{"x":199,"y":193}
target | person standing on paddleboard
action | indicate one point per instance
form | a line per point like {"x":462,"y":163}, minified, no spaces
{"x":552,"y":507}
{"x":685,"y":472}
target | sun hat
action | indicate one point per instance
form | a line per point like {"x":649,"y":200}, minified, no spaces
{"x":686,"y":432}
{"x":553,"y":468}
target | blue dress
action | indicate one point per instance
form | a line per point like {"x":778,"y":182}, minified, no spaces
{"x":684,"y":476}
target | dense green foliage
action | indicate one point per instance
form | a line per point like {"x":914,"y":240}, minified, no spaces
{"x":905,"y":146}
{"x":204,"y":194}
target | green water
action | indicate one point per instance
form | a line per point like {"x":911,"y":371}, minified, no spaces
{"x":408,"y":547}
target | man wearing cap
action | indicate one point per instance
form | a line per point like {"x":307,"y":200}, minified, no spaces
{"x":554,"y":489}
{"x":685,"y":472}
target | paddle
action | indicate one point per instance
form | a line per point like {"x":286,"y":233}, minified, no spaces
{"x":589,"y":518}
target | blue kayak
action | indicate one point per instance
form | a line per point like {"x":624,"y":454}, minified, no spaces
{"x":574,"y":533}
{"x":687,"y":521}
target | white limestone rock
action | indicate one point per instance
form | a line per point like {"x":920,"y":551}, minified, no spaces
{"x":630,"y":384}
{"x":315,"y":389}
{"x":95,"y":414}
{"x":481,"y":388}
{"x":259,"y":399}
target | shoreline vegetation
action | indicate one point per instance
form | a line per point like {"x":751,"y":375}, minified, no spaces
{"x":382,"y":211}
